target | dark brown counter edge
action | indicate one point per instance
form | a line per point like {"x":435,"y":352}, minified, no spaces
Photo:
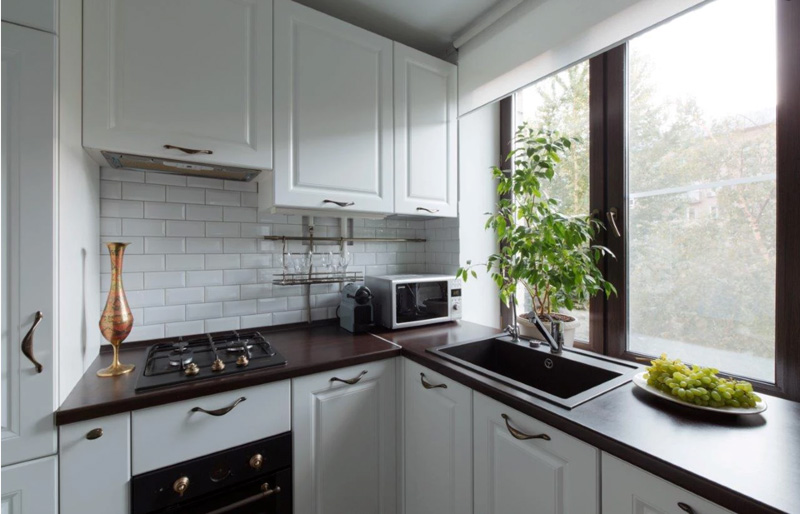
{"x":81,"y":404}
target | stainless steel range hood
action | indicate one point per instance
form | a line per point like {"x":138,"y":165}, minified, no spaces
{"x":194,"y":169}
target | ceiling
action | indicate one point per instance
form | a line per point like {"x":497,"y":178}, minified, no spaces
{"x":427,"y":25}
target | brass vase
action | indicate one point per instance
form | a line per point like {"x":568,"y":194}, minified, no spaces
{"x":116,"y":321}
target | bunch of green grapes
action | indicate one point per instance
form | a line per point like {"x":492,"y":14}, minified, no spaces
{"x":700,"y":386}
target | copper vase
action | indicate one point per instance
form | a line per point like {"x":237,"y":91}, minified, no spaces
{"x":116,"y":321}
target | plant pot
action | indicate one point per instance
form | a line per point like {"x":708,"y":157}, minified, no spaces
{"x":529,"y":330}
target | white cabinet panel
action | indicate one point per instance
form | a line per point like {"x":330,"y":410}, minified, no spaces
{"x":425,"y":137}
{"x":345,"y":441}
{"x":437,"y":443}
{"x":333,"y":113}
{"x":631,"y":490}
{"x":190,"y":73}
{"x":30,"y":487}
{"x":96,"y":471}
{"x":27,"y":219}
{"x":555,"y":476}
{"x":172,"y":433}
{"x":39,"y":14}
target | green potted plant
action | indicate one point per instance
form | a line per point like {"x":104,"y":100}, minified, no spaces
{"x":550,"y":254}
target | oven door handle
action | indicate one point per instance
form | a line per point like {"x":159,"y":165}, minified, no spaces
{"x":223,"y":410}
{"x":265,"y":493}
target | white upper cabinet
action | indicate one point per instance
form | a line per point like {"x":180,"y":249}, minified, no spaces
{"x":28,"y":243}
{"x":190,"y":74}
{"x":426,"y":162}
{"x":630,"y":490}
{"x":523,"y":465}
{"x":39,"y":14}
{"x":345,"y":443}
{"x":437,"y":443}
{"x":333,"y":115}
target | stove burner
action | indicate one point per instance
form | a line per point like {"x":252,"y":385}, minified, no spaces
{"x":181,"y":355}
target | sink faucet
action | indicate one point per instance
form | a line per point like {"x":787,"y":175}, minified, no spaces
{"x":554,"y":338}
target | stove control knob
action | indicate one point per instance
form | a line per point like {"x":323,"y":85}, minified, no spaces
{"x":191,"y":370}
{"x":181,"y":485}
{"x":242,"y":361}
{"x":217,"y":365}
{"x":256,"y":461}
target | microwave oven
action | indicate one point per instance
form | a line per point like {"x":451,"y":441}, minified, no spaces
{"x":402,"y":301}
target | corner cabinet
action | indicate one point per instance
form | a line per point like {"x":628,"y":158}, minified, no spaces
{"x":181,"y":79}
{"x":437,"y":443}
{"x":523,"y":465}
{"x":345,"y":443}
{"x":425,"y":154}
{"x":631,"y":490}
{"x":333,"y":115}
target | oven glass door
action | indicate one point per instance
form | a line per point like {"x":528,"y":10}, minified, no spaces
{"x":422,"y":301}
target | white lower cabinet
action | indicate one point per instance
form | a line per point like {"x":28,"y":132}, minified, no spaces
{"x":631,"y":490}
{"x":95,"y":462}
{"x":437,"y":443}
{"x":31,"y":487}
{"x":515,"y":473}
{"x":345,"y":443}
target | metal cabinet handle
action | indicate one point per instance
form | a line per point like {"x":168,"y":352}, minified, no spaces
{"x":27,"y":342}
{"x":685,"y":508}
{"x":350,"y":381}
{"x":432,"y":211}
{"x":612,"y":220}
{"x":522,"y":435}
{"x":223,"y":410}
{"x":340,"y":204}
{"x":190,"y":151}
{"x":428,"y":385}
{"x":265,"y":493}
{"x":95,"y":433}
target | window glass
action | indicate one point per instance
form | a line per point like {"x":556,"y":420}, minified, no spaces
{"x":701,"y":217}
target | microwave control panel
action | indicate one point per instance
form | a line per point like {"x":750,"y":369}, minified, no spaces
{"x":455,"y":299}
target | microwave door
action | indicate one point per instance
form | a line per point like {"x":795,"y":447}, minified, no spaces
{"x":421,"y":301}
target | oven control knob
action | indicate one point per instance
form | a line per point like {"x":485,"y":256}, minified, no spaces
{"x":191,"y":370}
{"x":242,"y":361}
{"x":256,"y":461}
{"x":181,"y":485}
{"x":217,"y":365}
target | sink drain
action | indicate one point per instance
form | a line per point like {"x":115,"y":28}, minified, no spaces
{"x":548,"y":363}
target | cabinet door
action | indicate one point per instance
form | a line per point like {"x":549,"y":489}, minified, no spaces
{"x":30,"y":487}
{"x":425,"y":158}
{"x":631,"y":490}
{"x":333,"y":113}
{"x":27,"y":226}
{"x":95,"y":462}
{"x":437,"y":443}
{"x":195,"y":74}
{"x":533,"y":476}
{"x":345,"y":440}
{"x":39,"y":14}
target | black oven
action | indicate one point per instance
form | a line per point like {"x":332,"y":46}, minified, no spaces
{"x":254,"y":478}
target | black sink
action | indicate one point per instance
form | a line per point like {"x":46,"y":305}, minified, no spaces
{"x":568,"y":379}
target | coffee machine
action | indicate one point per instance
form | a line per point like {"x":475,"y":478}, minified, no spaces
{"x":355,"y":308}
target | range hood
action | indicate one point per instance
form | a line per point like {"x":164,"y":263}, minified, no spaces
{"x":193,"y":169}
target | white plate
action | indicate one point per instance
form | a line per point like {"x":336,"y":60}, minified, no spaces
{"x":640,"y":381}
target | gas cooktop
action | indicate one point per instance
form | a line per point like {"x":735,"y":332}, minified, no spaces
{"x":206,"y":356}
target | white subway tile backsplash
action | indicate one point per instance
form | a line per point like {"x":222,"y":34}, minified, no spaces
{"x":164,"y":211}
{"x":203,"y":213}
{"x":135,"y":227}
{"x":222,"y":293}
{"x":198,"y":260}
{"x":204,"y":278}
{"x":153,"y":315}
{"x":142,"y":332}
{"x":186,"y":228}
{"x":186,"y":195}
{"x":164,"y":279}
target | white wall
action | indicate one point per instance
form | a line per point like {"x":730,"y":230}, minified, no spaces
{"x":78,"y":215}
{"x":478,"y":151}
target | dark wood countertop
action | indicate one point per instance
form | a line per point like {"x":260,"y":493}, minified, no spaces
{"x":748,"y":464}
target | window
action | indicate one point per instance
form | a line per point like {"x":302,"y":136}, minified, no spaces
{"x":684,"y":128}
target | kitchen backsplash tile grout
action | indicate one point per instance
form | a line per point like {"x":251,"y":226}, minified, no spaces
{"x":197,"y":261}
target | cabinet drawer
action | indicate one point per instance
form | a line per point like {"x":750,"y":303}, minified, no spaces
{"x":169,"y":434}
{"x":95,"y":462}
